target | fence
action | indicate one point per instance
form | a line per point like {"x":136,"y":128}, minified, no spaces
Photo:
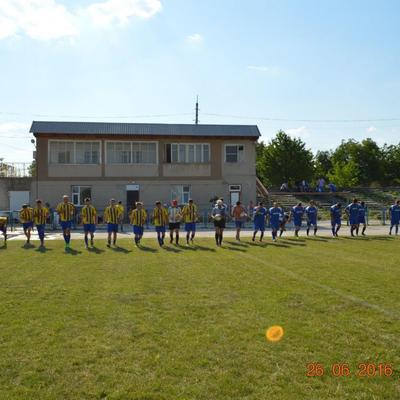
{"x":15,"y":170}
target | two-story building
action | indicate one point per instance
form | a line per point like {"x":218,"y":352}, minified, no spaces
{"x":131,"y":161}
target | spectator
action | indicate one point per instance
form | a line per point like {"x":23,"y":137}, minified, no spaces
{"x":332,"y":187}
{"x":284,"y":187}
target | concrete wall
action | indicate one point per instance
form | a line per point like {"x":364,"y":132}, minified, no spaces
{"x":10,"y":184}
{"x":150,"y":191}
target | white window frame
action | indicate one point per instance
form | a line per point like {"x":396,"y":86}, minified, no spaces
{"x":81,"y":201}
{"x":131,"y":142}
{"x":238,"y":160}
{"x":182,"y":194}
{"x":74,"y":153}
{"x":186,"y":144}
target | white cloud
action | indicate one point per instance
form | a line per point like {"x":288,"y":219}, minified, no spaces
{"x":119,"y":12}
{"x":39,"y":19}
{"x":196,"y":38}
{"x":302,"y":132}
{"x":48,"y":19}
{"x":265,"y":69}
{"x":371,"y":129}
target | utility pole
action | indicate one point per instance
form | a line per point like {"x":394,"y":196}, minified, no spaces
{"x":197,"y":111}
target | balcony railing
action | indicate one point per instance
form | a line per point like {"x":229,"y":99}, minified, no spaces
{"x":16,"y":169}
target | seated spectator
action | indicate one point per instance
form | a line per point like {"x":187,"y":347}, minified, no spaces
{"x":284,"y":187}
{"x":332,"y":187}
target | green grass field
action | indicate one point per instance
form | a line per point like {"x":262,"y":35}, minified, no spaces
{"x":180,"y":323}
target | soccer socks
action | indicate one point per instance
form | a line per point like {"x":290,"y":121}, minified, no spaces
{"x":187,"y":237}
{"x":315,"y":231}
{"x":177,"y":238}
{"x":220,"y":238}
{"x":254,"y":236}
{"x":308,"y":231}
{"x":261,"y":236}
{"x":337,"y":230}
{"x":397,"y":229}
{"x":352,"y":230}
{"x":86,"y":241}
{"x":217,"y":238}
{"x":363,"y":230}
{"x":333,"y":231}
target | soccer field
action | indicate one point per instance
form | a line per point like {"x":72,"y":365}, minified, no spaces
{"x":189,"y":323}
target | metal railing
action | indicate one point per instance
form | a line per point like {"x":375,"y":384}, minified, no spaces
{"x":15,"y":169}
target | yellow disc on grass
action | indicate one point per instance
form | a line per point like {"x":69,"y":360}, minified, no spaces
{"x":274,"y":333}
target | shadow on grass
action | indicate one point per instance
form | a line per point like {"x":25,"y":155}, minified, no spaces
{"x":118,"y":249}
{"x":147,"y":249}
{"x":234,"y":248}
{"x":385,"y":238}
{"x":4,"y":247}
{"x":280,"y":244}
{"x":43,"y":249}
{"x":72,"y":252}
{"x":203,"y":248}
{"x":240,"y":244}
{"x":95,"y":250}
{"x":172,"y":249}
{"x":258,"y":244}
{"x":28,"y":246}
{"x":318,"y":239}
{"x":293,"y":242}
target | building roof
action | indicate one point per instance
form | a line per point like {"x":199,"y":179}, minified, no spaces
{"x":139,"y":129}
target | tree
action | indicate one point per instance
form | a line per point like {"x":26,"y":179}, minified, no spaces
{"x":391,"y":164}
{"x":323,"y":164}
{"x":286,"y":159}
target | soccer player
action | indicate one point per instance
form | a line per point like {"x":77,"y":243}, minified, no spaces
{"x":361,"y":218}
{"x":89,"y":221}
{"x":122,"y":213}
{"x":174,"y":218}
{"x":218,"y":215}
{"x":352,"y":214}
{"x":40,"y":215}
{"x":394,"y":212}
{"x":239,"y":215}
{"x":297,"y":213}
{"x":336,"y":218}
{"x":260,"y":213}
{"x":3,"y":229}
{"x":160,"y":219}
{"x":138,"y":218}
{"x":284,"y":221}
{"x":312,"y":217}
{"x":66,"y":211}
{"x":190,"y":215}
{"x":26,"y":217}
{"x":112,"y":215}
{"x":275,"y":217}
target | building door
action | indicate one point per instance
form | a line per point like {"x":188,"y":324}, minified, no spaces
{"x":132,"y":196}
{"x":234,"y":194}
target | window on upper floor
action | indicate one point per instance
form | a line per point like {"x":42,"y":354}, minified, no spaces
{"x":234,"y":153}
{"x":187,"y":153}
{"x":131,"y":153}
{"x":68,"y":152}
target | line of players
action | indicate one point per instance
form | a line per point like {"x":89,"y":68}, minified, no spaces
{"x":172,"y":216}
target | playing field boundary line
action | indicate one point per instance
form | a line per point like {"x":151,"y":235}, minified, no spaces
{"x":337,"y":292}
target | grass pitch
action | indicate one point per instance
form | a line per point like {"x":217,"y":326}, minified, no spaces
{"x":180,"y":323}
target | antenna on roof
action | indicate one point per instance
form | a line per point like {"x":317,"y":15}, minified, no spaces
{"x":197,"y":110}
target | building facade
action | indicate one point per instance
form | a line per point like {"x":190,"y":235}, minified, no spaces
{"x":146,"y":162}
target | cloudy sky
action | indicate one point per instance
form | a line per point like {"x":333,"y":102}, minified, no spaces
{"x":324,"y":71}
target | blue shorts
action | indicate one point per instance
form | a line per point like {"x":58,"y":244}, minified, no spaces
{"x":394,"y":222}
{"x":259,"y":226}
{"x":40,"y":228}
{"x":27,"y":225}
{"x":91,"y":228}
{"x":65,"y":224}
{"x":336,"y":222}
{"x":275,"y":226}
{"x":138,"y":230}
{"x":239,"y":224}
{"x":313,"y":222}
{"x":353,"y":221}
{"x":111,"y":228}
{"x":190,"y":227}
{"x":297,"y":223}
{"x":160,"y":229}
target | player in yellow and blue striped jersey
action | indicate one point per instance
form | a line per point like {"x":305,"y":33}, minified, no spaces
{"x":112,"y":215}
{"x":40,"y":215}
{"x":138,"y":218}
{"x":89,"y":221}
{"x":66,"y":213}
{"x":26,"y":218}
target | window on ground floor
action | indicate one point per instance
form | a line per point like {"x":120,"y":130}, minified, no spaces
{"x":79,"y":194}
{"x":181,"y":193}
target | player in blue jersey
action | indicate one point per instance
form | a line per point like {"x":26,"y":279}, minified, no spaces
{"x":336,"y":218}
{"x":260,"y":212}
{"x":297,"y":213}
{"x":275,"y":217}
{"x":394,"y":212}
{"x":362,"y":211}
{"x":352,"y":211}
{"x":312,"y":217}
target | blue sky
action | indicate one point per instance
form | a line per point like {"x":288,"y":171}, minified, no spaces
{"x":302,"y":66}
